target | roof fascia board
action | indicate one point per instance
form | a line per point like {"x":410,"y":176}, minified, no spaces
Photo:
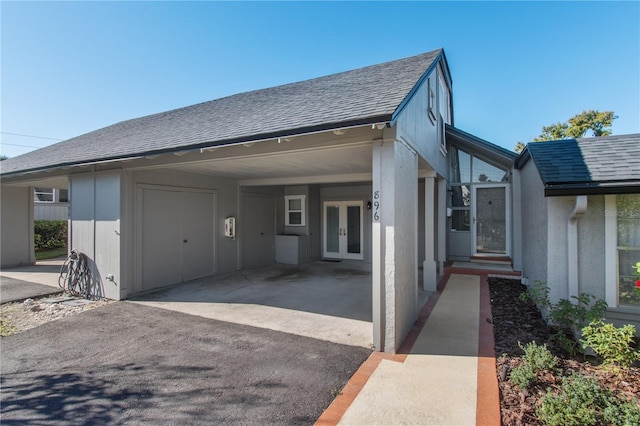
{"x":522,"y":159}
{"x":592,"y":189}
{"x":468,"y":141}
{"x":414,"y":89}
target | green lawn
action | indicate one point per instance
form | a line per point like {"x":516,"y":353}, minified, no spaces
{"x":49,"y":254}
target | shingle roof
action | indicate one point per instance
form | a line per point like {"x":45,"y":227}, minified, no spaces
{"x":588,"y":165}
{"x":362,"y":96}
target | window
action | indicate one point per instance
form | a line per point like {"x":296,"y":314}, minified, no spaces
{"x":622,"y":236}
{"x":443,"y":111}
{"x":295,"y":210}
{"x":63,"y":195}
{"x":43,"y":195}
{"x":484,"y":172}
{"x":431,"y":101}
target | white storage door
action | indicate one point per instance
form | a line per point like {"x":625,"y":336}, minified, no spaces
{"x":197,"y":235}
{"x":177,"y":238}
{"x":161,"y":238}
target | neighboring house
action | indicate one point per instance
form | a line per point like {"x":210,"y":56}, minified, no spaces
{"x":580,"y":219}
{"x":346,"y":166}
{"x":50,"y":204}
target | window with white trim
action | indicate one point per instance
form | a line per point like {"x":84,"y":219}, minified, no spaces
{"x":622,"y":244}
{"x":43,"y":195}
{"x":294,"y":210}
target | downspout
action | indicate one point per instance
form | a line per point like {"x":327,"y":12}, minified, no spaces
{"x":572,"y":243}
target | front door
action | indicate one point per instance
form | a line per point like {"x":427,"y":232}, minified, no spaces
{"x":490,"y":224}
{"x":343,"y":230}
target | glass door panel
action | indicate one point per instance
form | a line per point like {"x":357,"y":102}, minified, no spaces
{"x":332,"y":234}
{"x":490,"y":220}
{"x":353,"y":230}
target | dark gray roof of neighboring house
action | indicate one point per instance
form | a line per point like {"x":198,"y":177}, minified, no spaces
{"x":363,"y":96}
{"x":598,"y":165}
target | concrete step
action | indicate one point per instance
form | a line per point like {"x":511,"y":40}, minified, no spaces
{"x":494,"y":260}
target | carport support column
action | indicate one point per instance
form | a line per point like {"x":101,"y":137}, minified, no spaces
{"x":442,"y":224}
{"x":429,"y":266}
{"x":395,"y":243}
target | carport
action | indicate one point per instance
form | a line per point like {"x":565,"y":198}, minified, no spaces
{"x":345,"y":167}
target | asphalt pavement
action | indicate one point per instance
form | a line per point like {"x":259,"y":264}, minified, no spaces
{"x":125,"y":363}
{"x":15,"y":290}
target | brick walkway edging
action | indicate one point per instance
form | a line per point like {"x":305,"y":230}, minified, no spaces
{"x":488,"y":394}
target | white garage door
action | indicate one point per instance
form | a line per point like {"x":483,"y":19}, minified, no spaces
{"x":177,"y":238}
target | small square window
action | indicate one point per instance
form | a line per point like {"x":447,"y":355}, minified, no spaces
{"x":295,"y":210}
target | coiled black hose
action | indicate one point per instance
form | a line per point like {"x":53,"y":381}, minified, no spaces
{"x":75,"y":275}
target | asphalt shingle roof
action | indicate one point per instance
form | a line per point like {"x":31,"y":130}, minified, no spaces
{"x":588,"y":162}
{"x":362,"y":96}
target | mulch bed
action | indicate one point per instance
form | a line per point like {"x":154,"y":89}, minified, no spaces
{"x":515,"y":321}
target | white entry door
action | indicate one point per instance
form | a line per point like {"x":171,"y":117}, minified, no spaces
{"x":343,"y":230}
{"x":491,"y":224}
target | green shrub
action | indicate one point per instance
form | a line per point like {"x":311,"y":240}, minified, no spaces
{"x":565,"y":341}
{"x":538,"y":293}
{"x":50,"y":234}
{"x":574,"y":316}
{"x":614,"y":345}
{"x":535,"y":360}
{"x":582,"y":401}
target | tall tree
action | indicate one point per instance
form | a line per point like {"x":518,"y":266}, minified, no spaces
{"x":598,"y":122}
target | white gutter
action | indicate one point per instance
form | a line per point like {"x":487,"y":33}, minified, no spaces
{"x":572,"y":244}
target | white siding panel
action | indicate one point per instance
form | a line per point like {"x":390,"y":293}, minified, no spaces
{"x":415,"y":127}
{"x":82,"y":214}
{"x":107,"y":233}
{"x":16,"y":226}
{"x":51,"y":211}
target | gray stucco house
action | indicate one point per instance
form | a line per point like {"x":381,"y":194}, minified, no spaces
{"x":346,"y":166}
{"x":580,"y":219}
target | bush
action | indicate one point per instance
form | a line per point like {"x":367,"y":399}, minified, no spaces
{"x":50,"y":234}
{"x":614,"y":345}
{"x":574,"y":316}
{"x":535,"y":360}
{"x":582,"y":401}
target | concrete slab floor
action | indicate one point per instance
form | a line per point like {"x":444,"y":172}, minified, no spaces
{"x":45,"y":272}
{"x":325,"y":300}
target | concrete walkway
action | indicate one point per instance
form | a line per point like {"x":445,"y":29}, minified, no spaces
{"x":443,"y":375}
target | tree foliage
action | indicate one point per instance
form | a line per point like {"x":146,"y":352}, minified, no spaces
{"x":598,"y":122}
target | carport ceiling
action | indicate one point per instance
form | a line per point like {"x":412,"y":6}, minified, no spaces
{"x":338,"y":160}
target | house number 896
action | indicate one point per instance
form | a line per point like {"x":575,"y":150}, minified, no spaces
{"x":376,"y":205}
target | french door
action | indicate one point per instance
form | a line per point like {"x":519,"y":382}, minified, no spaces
{"x":343,"y":230}
{"x":491,"y":227}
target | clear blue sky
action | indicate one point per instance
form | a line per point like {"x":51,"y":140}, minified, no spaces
{"x":72,"y":67}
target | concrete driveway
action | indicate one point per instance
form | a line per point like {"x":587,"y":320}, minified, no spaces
{"x":130,"y":364}
{"x":324,"y":300}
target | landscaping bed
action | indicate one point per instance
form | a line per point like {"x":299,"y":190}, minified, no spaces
{"x":517,"y":323}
